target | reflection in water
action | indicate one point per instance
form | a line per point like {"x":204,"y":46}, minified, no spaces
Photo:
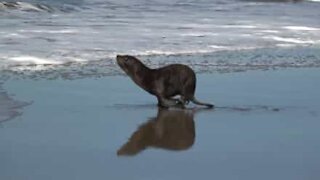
{"x":171,"y":130}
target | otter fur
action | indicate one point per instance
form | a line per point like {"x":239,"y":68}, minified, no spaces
{"x":165,"y":82}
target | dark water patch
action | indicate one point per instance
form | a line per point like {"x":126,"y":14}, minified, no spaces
{"x":194,"y":108}
{"x":9,"y":107}
{"x":251,"y":108}
{"x":40,"y":6}
{"x":189,"y":108}
{"x":133,"y":106}
{"x":314,"y":113}
{"x":24,"y":6}
{"x":274,"y":1}
{"x":217,"y":108}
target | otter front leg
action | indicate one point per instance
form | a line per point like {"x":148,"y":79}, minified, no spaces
{"x":177,"y":100}
{"x":180,"y":102}
{"x":183,"y":100}
{"x":167,"y":103}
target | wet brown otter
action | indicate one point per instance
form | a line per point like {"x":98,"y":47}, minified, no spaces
{"x":165,"y":82}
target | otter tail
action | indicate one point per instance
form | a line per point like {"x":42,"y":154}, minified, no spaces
{"x":194,"y":100}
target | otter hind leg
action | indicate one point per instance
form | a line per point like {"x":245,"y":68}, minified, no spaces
{"x":188,"y":94}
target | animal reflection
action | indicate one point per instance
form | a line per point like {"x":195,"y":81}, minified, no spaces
{"x":171,"y":130}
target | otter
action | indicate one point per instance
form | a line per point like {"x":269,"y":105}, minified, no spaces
{"x":165,"y":82}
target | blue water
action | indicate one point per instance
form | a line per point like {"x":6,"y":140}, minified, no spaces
{"x":74,"y":130}
{"x":52,"y":33}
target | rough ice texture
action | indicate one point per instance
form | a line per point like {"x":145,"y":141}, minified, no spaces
{"x":221,"y":62}
{"x":95,"y":29}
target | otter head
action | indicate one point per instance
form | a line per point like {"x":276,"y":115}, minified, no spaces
{"x":128,"y":64}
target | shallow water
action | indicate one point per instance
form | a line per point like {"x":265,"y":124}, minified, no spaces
{"x":77,"y":130}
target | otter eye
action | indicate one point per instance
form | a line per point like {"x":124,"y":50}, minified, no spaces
{"x":126,"y":59}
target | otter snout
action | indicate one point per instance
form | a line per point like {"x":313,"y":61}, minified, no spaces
{"x":119,"y":59}
{"x":122,"y":61}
